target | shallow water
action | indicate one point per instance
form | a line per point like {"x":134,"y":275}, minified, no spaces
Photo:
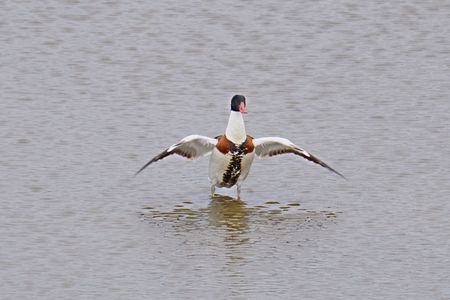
{"x":90,"y":91}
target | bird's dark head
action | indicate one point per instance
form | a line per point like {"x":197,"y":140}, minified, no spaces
{"x":238,"y":103}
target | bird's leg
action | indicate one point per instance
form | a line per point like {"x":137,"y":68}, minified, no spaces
{"x":213,"y":190}
{"x":238,"y":189}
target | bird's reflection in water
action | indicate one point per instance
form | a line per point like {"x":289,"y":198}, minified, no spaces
{"x":231,"y":227}
{"x":222,"y":212}
{"x":227,"y":211}
{"x":233,"y":215}
{"x":237,"y":218}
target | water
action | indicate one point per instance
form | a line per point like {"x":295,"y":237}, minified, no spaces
{"x":91,"y":90}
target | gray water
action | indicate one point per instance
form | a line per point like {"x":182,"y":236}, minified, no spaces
{"x":91,"y":90}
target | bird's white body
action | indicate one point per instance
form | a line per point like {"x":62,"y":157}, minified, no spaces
{"x":219,"y":162}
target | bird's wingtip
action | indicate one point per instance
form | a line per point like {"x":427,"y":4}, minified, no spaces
{"x":143,"y":167}
{"x":341,"y":175}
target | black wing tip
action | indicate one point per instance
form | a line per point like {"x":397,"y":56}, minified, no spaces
{"x":137,"y":173}
{"x":142,"y":169}
{"x":323,"y":164}
{"x":334,"y":171}
{"x":156,"y":158}
{"x":342,"y":176}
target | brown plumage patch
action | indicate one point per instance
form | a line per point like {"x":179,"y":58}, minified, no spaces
{"x":223,"y":144}
{"x":248,"y":145}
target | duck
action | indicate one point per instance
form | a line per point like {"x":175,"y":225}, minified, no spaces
{"x":232,"y":153}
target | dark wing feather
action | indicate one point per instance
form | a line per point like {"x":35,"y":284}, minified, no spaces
{"x":270,"y":146}
{"x":191,"y":147}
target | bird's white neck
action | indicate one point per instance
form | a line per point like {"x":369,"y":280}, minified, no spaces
{"x":236,"y":129}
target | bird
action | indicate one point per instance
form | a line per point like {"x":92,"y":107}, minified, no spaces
{"x":232,"y":153}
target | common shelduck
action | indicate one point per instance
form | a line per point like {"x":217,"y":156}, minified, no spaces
{"x":232,"y":153}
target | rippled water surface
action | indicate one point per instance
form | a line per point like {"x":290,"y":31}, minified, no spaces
{"x":91,"y":90}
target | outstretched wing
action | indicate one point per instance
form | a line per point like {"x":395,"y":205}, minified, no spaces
{"x":270,"y":146}
{"x":191,"y":147}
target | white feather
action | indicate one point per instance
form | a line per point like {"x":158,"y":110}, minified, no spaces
{"x":197,"y":145}
{"x":236,"y":128}
{"x":265,"y":147}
